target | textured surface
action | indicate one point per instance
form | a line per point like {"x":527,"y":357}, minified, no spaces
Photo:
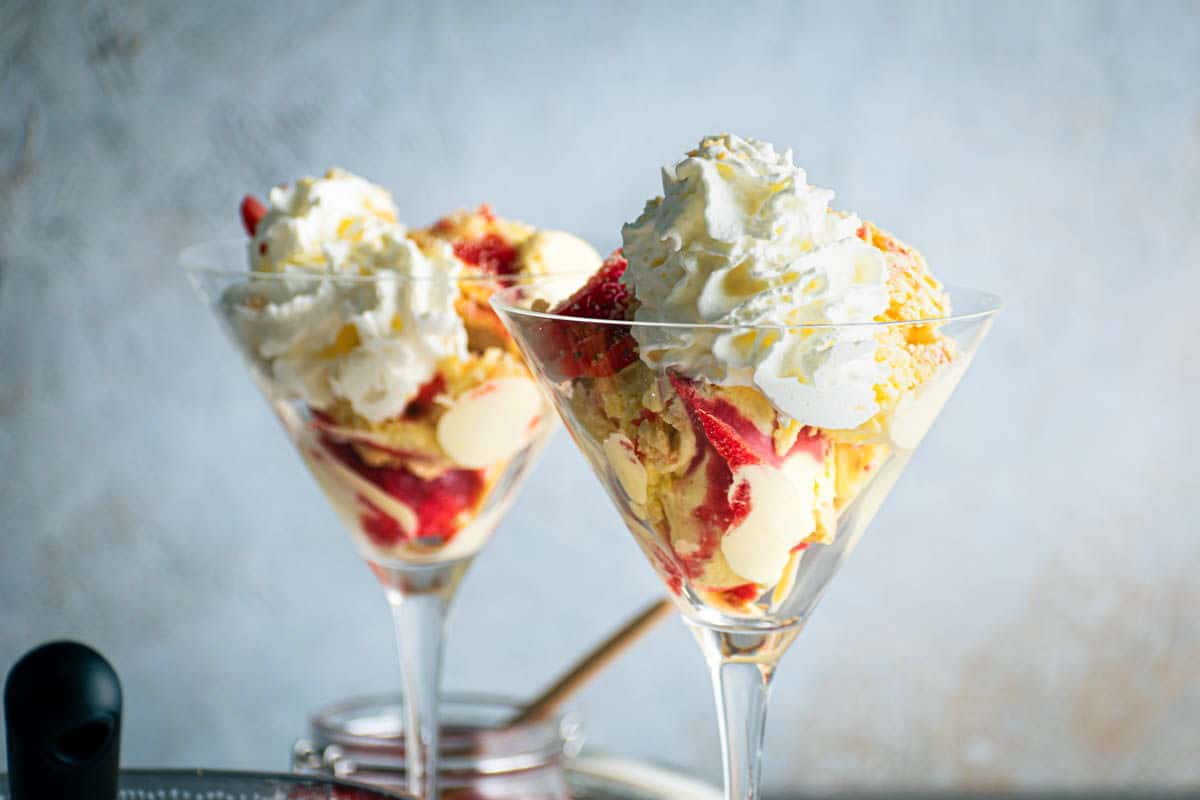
{"x":1025,"y":611}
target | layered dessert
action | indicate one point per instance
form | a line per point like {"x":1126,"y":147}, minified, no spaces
{"x":739,"y":435}
{"x":381,"y":354}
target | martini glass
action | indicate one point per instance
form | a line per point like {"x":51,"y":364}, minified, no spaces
{"x":745,"y":537}
{"x":416,"y":519}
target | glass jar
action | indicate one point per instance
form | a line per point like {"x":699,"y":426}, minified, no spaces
{"x":480,"y":757}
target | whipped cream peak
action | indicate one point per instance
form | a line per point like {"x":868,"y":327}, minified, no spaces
{"x":339,"y":222}
{"x":741,"y":238}
{"x":370,"y":343}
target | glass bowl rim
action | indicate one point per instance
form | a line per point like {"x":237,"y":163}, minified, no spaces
{"x":983,"y":304}
{"x":196,"y":260}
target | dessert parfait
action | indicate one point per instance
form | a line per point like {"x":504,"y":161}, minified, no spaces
{"x":380,"y":352}
{"x":747,"y":377}
{"x":741,"y":370}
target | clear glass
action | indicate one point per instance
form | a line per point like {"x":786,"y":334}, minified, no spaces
{"x":712,"y":496}
{"x":137,"y":784}
{"x":415,"y":514}
{"x":480,"y":755}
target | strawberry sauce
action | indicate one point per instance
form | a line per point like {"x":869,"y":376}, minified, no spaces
{"x":736,"y":438}
{"x":670,"y":569}
{"x":715,"y":514}
{"x":726,"y":441}
{"x":437,"y":503}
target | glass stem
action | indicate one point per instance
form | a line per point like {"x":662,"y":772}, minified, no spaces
{"x":741,"y":690}
{"x":742,"y":666}
{"x":420,"y":598}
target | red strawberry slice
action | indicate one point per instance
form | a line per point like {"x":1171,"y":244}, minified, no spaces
{"x":722,"y":435}
{"x":734,"y":437}
{"x":253,"y":211}
{"x":379,"y":527}
{"x":743,"y":594}
{"x":733,"y":434}
{"x":717,"y":512}
{"x":727,"y":441}
{"x":594,"y":350}
{"x":603,"y":296}
{"x":422,"y":402}
{"x":491,"y":254}
{"x":811,"y":440}
{"x":439,"y":502}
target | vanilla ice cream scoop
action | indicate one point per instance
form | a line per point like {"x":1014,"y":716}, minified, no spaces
{"x":786,"y":505}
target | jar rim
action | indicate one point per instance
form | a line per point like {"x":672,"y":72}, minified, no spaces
{"x":367,"y":731}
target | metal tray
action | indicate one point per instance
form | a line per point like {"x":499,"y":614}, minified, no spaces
{"x":611,"y":778}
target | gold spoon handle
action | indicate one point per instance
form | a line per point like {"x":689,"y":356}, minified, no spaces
{"x":544,"y":706}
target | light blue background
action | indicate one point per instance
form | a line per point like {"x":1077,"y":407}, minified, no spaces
{"x":1025,"y":611}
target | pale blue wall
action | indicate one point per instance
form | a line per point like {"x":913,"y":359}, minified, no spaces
{"x":1025,"y":611}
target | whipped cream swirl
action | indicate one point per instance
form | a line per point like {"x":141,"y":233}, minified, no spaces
{"x":332,"y":224}
{"x":740,"y":238}
{"x":359,"y":313}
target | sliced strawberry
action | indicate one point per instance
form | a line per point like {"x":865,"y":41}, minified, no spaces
{"x":740,"y":595}
{"x":430,"y":389}
{"x":722,"y":429}
{"x":594,"y":350}
{"x":727,"y":441}
{"x":491,"y":254}
{"x":735,"y":437}
{"x":439,"y":503}
{"x":810,"y":439}
{"x":603,"y":296}
{"x":422,"y":402}
{"x":722,"y":445}
{"x":253,"y":211}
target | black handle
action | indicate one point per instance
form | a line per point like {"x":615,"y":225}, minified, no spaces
{"x":62,"y":711}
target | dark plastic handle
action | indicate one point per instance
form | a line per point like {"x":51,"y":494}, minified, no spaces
{"x":62,"y":712}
